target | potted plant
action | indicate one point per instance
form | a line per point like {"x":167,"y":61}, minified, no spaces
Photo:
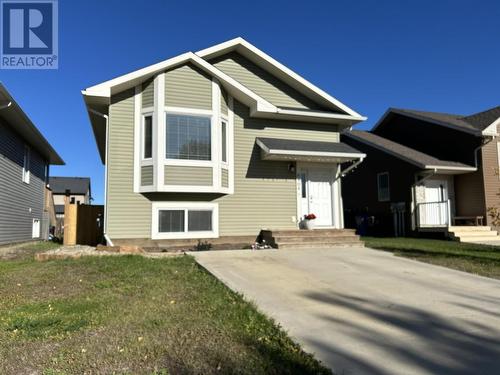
{"x":309,"y":221}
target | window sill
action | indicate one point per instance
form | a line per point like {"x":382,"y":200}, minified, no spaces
{"x":184,"y":235}
{"x":193,"y":163}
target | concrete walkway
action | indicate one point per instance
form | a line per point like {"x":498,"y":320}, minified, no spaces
{"x":362,"y":311}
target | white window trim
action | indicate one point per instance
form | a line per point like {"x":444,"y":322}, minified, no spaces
{"x":26,"y":164}
{"x":158,"y":206}
{"x":189,"y":112}
{"x":388,"y":198}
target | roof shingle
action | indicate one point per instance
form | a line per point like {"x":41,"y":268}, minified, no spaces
{"x":408,"y":154}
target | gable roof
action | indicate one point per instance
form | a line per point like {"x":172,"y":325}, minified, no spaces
{"x":410,"y":155}
{"x":97,"y":97}
{"x":15,"y":118}
{"x":76,"y":185}
{"x":279,"y":70}
{"x":479,"y":124}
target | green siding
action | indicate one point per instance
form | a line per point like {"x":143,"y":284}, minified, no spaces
{"x":147,"y":175}
{"x":264,"y":191}
{"x":129,"y":213}
{"x":148,"y":92}
{"x":224,"y":175}
{"x":181,"y":175}
{"x":262,"y":82}
{"x":223,"y":102}
{"x":187,"y":86}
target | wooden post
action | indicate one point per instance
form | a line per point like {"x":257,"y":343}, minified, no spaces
{"x":70,"y":221}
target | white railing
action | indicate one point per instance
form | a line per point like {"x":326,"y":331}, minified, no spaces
{"x":433,"y":214}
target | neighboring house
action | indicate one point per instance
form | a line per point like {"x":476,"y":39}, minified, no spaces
{"x":222,"y":142}
{"x":25,"y":156}
{"x":426,"y":172}
{"x":78,"y":189}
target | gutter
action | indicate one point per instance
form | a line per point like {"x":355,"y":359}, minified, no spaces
{"x":106,"y":117}
{"x":350,"y":168}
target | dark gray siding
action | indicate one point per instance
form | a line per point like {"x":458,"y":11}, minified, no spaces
{"x":20,"y":203}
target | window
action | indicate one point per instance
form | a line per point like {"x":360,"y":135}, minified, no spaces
{"x":383,"y":187}
{"x":188,"y":137}
{"x":185,"y":220}
{"x":147,"y":137}
{"x":26,"y":165}
{"x":199,"y":221}
{"x":223,"y":132}
{"x":303,"y":185}
{"x":171,"y":221}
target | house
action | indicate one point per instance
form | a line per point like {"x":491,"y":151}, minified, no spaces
{"x":25,"y":156}
{"x":77,"y":188}
{"x":427,"y":173}
{"x":219,"y":143}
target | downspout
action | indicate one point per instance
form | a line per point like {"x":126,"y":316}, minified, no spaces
{"x":349,"y":169}
{"x":105,"y":224}
{"x":414,"y":191}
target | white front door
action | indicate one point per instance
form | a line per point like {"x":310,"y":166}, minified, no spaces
{"x":316,"y":193}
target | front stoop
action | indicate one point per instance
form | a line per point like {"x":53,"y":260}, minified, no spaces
{"x":473,"y":234}
{"x":311,"y":239}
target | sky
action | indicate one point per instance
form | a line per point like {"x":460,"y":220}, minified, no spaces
{"x":436,"y":55}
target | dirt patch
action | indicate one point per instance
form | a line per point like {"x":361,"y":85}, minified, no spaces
{"x":78,"y":251}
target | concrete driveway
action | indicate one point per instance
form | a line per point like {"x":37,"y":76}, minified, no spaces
{"x":363,"y":311}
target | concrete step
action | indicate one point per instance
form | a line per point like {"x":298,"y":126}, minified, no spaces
{"x":319,"y":245}
{"x":322,"y":238}
{"x":474,"y":234}
{"x":469,"y":228}
{"x":314,"y":232}
{"x":477,"y":238}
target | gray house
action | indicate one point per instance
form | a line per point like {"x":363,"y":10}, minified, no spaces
{"x":25,"y":156}
{"x":223,"y":142}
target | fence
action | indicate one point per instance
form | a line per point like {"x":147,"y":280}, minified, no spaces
{"x":433,"y":214}
{"x":83,"y":224}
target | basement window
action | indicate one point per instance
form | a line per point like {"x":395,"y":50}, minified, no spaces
{"x":185,"y":220}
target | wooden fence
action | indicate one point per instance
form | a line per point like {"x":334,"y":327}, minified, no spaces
{"x":83,"y":224}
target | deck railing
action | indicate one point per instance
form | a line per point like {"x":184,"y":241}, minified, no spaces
{"x":433,"y":214}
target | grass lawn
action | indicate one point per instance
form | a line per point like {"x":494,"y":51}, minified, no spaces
{"x":478,"y":259}
{"x":133,"y":315}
